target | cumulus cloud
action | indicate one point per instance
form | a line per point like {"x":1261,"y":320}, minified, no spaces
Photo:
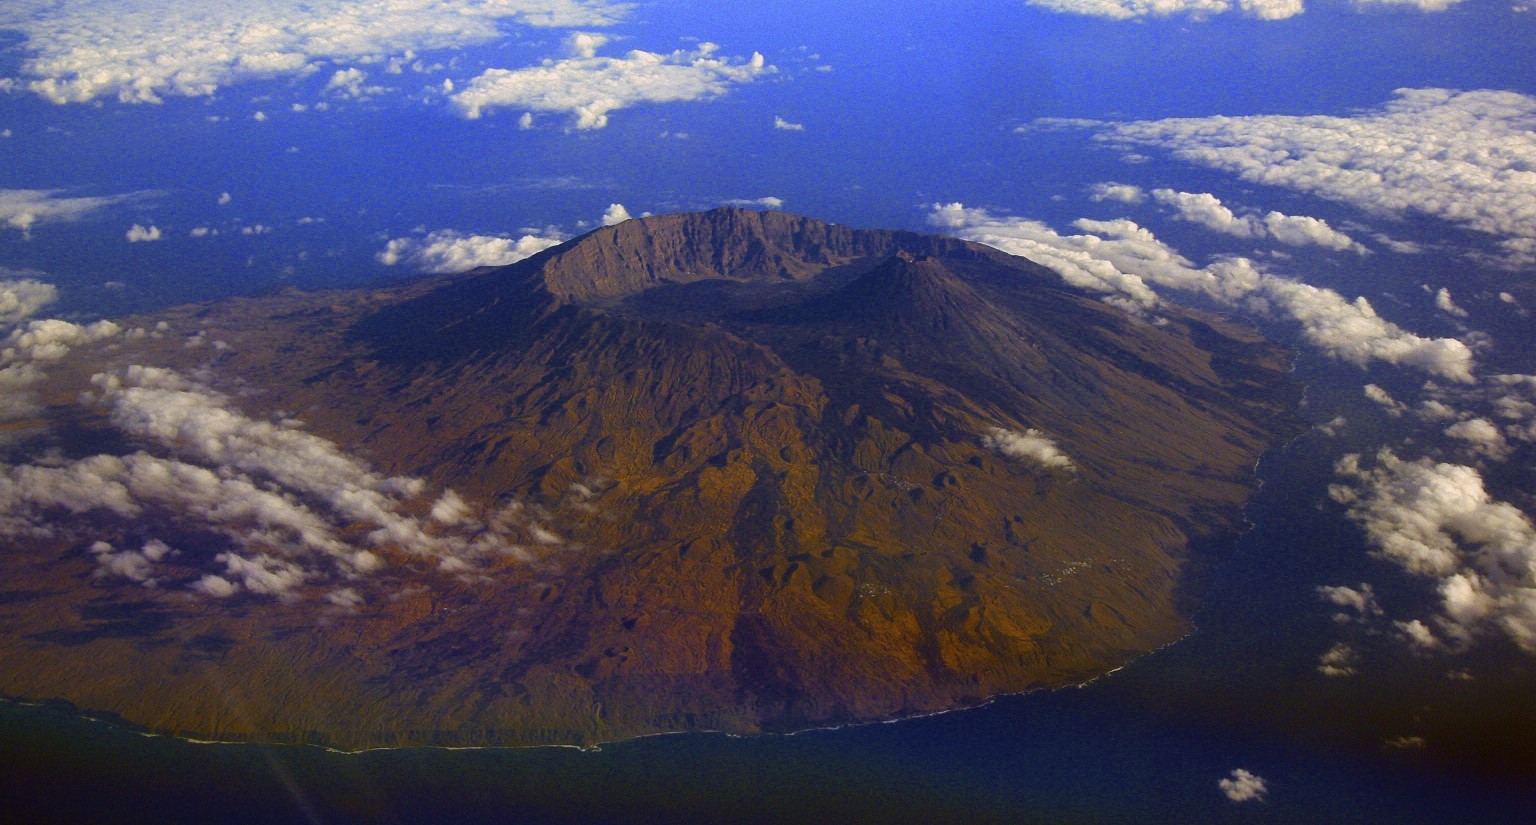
{"x":1357,"y":604}
{"x":1121,"y":192}
{"x":1438,"y":521}
{"x":615,"y":213}
{"x":1208,"y":211}
{"x":1030,"y":445}
{"x":1482,"y":435}
{"x":784,"y":125}
{"x":1123,"y":261}
{"x":133,"y":565}
{"x":348,"y":82}
{"x":1444,"y":303}
{"x":22,"y":209}
{"x":1243,"y":786}
{"x":143,"y":234}
{"x":1340,"y":661}
{"x":1301,"y":230}
{"x":588,"y":88}
{"x":20,"y":299}
{"x":50,"y":339}
{"x":87,"y":50}
{"x":289,"y":508}
{"x":447,"y":251}
{"x":1465,"y":157}
{"x":1271,"y":9}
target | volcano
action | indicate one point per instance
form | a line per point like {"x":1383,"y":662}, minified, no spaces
{"x":769,"y":473}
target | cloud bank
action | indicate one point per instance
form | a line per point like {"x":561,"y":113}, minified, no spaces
{"x":1465,"y":157}
{"x":140,"y":52}
{"x":588,"y":88}
{"x":1123,"y":261}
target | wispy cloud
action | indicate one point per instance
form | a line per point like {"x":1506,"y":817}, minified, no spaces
{"x":23,"y":209}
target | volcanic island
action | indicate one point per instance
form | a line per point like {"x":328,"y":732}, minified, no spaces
{"x":731,"y":471}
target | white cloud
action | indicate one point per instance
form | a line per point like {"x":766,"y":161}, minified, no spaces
{"x":224,"y":199}
{"x":139,"y":52}
{"x":1421,"y":5}
{"x":1207,"y":210}
{"x":20,"y":299}
{"x":347,"y":82}
{"x":1465,"y":157}
{"x":1271,"y":9}
{"x":446,"y":251}
{"x":143,"y":234}
{"x":1128,"y":9}
{"x":769,"y":202}
{"x":588,"y":87}
{"x":23,"y":209}
{"x":1483,"y":435}
{"x":1123,"y":261}
{"x":1340,"y":661}
{"x":1084,"y":261}
{"x":1029,"y":445}
{"x":134,"y":565}
{"x":1300,"y":230}
{"x":290,"y":507}
{"x":615,"y":213}
{"x":1243,"y":786}
{"x":784,"y":125}
{"x":50,"y":339}
{"x":1356,"y":603}
{"x":1122,"y":192}
{"x":1444,"y":303}
{"x":1203,"y":9}
{"x":1437,"y":520}
{"x":1394,"y":407}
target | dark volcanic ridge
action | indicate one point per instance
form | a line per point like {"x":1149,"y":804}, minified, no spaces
{"x":737,"y":471}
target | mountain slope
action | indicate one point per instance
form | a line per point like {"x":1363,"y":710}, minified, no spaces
{"x":777,"y":471}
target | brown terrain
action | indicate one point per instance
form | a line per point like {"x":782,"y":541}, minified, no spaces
{"x":758,"y":445}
